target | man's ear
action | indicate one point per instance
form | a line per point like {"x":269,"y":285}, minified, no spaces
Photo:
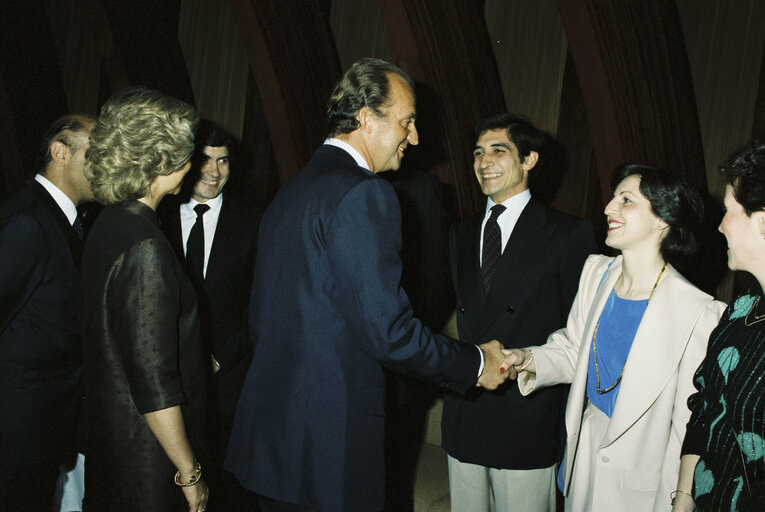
{"x":59,"y":152}
{"x":530,"y":161}
{"x":365,"y":118}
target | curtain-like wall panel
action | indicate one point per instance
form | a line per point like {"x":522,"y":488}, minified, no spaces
{"x":446,"y":46}
{"x":77,"y":54}
{"x":636,"y":83}
{"x":216,"y":61}
{"x":530,"y":49}
{"x":359,"y":31}
{"x":725,"y":47}
{"x":294,"y":62}
{"x":33,"y":95}
{"x":725,"y":44}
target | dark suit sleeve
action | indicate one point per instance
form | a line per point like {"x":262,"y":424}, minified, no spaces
{"x":146,"y":304}
{"x":364,"y":253}
{"x":580,"y":245}
{"x":22,"y":255}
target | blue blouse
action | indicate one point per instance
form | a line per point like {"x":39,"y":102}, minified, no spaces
{"x":619,"y":321}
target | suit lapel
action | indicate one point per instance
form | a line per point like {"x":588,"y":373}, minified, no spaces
{"x":73,"y":240}
{"x":224,"y":241}
{"x":524,"y":245}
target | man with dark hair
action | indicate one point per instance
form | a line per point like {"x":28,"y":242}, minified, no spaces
{"x":215,"y":233}
{"x":515,"y":268}
{"x":327,"y":313}
{"x":40,"y":355}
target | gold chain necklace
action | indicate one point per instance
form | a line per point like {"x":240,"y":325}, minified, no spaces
{"x":757,"y":318}
{"x":595,"y":350}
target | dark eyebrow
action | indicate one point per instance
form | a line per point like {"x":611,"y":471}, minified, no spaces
{"x":495,"y":145}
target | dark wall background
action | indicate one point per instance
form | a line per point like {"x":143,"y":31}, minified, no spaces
{"x":673,"y":83}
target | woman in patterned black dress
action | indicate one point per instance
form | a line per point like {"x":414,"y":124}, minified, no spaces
{"x":144,"y":364}
{"x":722,"y":465}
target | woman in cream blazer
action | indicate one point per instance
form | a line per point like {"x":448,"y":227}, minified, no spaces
{"x":630,"y":460}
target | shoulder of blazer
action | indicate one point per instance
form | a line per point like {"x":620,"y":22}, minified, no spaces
{"x":169,"y":216}
{"x":552,"y":217}
{"x":240,"y":208}
{"x":326,"y":155}
{"x":468,"y":225}
{"x":329,"y":172}
{"x":685,"y":292}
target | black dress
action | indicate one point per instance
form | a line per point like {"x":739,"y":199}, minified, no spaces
{"x":727,"y":425}
{"x":142,"y":353}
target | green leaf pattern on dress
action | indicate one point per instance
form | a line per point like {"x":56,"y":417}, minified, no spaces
{"x":752,"y":445}
{"x":704,"y":479}
{"x":742,"y":306}
{"x":727,"y":361}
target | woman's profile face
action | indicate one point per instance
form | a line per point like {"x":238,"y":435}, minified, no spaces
{"x":631,"y":222}
{"x":743,"y":232}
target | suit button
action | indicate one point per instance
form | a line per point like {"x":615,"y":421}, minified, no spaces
{"x":462,"y":310}
{"x":510,"y":309}
{"x":604,"y":458}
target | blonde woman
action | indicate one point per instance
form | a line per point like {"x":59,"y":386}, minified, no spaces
{"x":144,"y":368}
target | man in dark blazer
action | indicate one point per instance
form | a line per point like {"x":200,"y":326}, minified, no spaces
{"x":40,"y":355}
{"x":515,"y":268}
{"x":327,"y":313}
{"x":228,"y":232}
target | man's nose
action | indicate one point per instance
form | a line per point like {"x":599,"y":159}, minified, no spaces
{"x":211,"y":168}
{"x":413,"y":137}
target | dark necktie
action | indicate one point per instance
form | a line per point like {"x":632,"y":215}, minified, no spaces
{"x":77,"y":226}
{"x":195,"y":246}
{"x":492,"y":247}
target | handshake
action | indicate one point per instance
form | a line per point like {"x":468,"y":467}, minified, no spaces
{"x":499,"y":364}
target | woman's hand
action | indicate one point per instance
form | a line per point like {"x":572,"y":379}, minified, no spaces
{"x":196,"y":495}
{"x":517,"y":358}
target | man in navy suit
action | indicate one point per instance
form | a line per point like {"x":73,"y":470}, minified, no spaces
{"x":40,"y":358}
{"x":535,"y":262}
{"x":228,"y":231}
{"x":327,"y":313}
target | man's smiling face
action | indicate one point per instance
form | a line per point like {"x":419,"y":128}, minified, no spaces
{"x":498,"y":166}
{"x":213,"y":173}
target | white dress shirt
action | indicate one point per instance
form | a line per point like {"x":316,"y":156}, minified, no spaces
{"x":507,"y":219}
{"x":210,"y":218}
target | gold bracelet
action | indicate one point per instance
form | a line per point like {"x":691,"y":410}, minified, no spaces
{"x":673,"y":496}
{"x":193,"y":480}
{"x":525,"y":364}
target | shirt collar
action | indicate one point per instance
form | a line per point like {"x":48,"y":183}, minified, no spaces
{"x":214,"y":203}
{"x":350,"y":150}
{"x":62,"y":200}
{"x":514,"y":204}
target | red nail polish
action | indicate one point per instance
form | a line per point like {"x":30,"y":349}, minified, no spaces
{"x":501,"y":370}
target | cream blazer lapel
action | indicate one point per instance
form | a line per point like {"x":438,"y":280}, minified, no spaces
{"x":659,"y":345}
{"x":578,"y":391}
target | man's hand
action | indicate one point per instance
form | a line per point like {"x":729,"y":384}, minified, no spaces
{"x":491,"y":377}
